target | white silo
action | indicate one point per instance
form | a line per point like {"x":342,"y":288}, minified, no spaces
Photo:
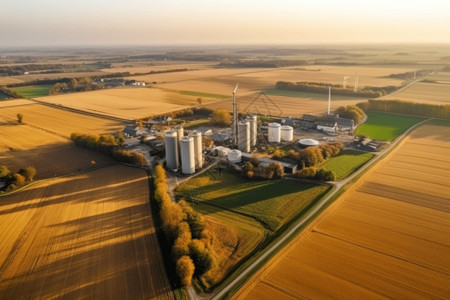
{"x":253,"y":129}
{"x":287,"y":133}
{"x":187,"y":155}
{"x":244,"y":136}
{"x":180,"y":132}
{"x":274,"y":133}
{"x":234,"y":156}
{"x":198,"y":148}
{"x":171,"y":141}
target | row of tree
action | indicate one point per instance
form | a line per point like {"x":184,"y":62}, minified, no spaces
{"x":16,"y":180}
{"x":405,"y":107}
{"x":312,"y":156}
{"x":220,"y":117}
{"x":108,"y":145}
{"x":319,"y":87}
{"x":186,"y":231}
{"x":350,"y":112}
{"x":253,"y":170}
{"x":75,"y":85}
{"x":314,"y":173}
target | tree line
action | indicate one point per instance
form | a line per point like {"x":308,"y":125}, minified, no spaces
{"x":320,"y":87}
{"x":307,"y":160}
{"x":108,"y":145}
{"x":352,"y":112}
{"x":405,"y":107}
{"x":16,"y":180}
{"x":186,"y":231}
{"x":253,"y":170}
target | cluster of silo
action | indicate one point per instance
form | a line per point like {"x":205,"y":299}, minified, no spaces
{"x":244,"y":136}
{"x":187,"y":149}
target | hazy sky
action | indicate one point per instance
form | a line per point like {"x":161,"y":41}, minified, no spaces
{"x":151,"y":22}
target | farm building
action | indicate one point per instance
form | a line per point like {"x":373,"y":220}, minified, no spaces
{"x":333,"y":123}
{"x":133,"y":131}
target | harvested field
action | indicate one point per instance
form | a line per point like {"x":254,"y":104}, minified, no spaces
{"x":423,"y":92}
{"x":388,"y":236}
{"x":58,"y":121}
{"x":87,"y":236}
{"x":285,"y":103}
{"x":125,"y":103}
{"x":142,"y":68}
{"x":14,"y":102}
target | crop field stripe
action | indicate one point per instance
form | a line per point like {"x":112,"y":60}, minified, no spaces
{"x":408,"y":239}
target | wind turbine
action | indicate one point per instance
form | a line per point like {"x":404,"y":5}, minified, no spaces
{"x":329,"y":98}
{"x":345,"y":81}
{"x":235,"y":115}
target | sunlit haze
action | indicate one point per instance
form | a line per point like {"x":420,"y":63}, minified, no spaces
{"x":139,"y":22}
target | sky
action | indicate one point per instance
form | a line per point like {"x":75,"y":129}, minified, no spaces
{"x":221,"y":22}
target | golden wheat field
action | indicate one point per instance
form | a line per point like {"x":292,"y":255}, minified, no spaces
{"x":87,"y":236}
{"x":14,"y":102}
{"x":125,"y":103}
{"x":57,"y":121}
{"x":424,"y":92}
{"x":274,"y":105}
{"x":388,"y":236}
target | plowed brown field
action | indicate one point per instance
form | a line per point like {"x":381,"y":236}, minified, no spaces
{"x":88,"y":236}
{"x":387,"y":237}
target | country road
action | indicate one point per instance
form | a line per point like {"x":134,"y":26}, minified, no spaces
{"x":307,"y":218}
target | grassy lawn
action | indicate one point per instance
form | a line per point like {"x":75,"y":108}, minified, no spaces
{"x":205,"y":95}
{"x":32,"y":91}
{"x":270,"y":202}
{"x":197,"y":123}
{"x":346,"y":163}
{"x":386,"y":127}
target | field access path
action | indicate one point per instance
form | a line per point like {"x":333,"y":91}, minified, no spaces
{"x":305,"y":220}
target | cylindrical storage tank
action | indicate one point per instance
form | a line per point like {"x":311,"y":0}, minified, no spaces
{"x":198,"y":148}
{"x":287,"y":133}
{"x":171,"y":141}
{"x":304,"y":143}
{"x":253,"y":129}
{"x":244,"y":136}
{"x":274,"y":132}
{"x":187,"y":155}
{"x":180,"y":132}
{"x":234,"y":156}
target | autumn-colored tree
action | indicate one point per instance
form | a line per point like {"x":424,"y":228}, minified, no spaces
{"x":3,"y":171}
{"x":201,"y":255}
{"x":28,"y":173}
{"x":19,"y":118}
{"x":181,"y":245}
{"x":220,"y":117}
{"x":185,"y":269}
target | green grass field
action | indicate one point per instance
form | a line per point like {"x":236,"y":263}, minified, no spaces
{"x":32,"y":91}
{"x":346,"y":163}
{"x":271,"y":202}
{"x":205,"y":95}
{"x":386,"y":127}
{"x":197,"y":123}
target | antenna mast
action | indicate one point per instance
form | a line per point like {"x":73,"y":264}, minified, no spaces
{"x":329,"y":98}
{"x":345,"y":81}
{"x":356,"y":82}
